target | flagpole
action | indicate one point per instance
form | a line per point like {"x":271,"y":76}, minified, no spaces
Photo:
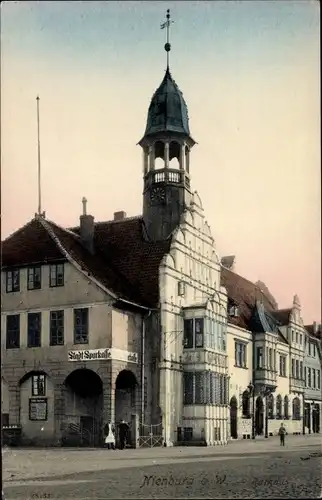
{"x":39,"y":165}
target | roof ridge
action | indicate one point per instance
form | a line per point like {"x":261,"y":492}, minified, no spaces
{"x":134,"y":217}
{"x":20,"y":229}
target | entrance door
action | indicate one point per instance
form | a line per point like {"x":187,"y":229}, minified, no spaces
{"x":233,"y":418}
{"x":259,"y":417}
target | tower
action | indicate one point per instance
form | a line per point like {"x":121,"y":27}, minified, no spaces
{"x":166,"y":192}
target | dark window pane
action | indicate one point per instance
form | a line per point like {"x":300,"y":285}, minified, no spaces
{"x":188,"y":388}
{"x":13,"y":331}
{"x":13,"y":281}
{"x":38,"y":385}
{"x":34,"y":329}
{"x":199,"y":332}
{"x":188,"y":333}
{"x":56,"y":275}
{"x":57,"y":328}
{"x":34,"y":278}
{"x":199,"y":388}
{"x":81,"y":326}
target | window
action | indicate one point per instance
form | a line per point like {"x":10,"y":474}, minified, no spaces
{"x":259,"y":357}
{"x":188,"y":388}
{"x":286,"y":407}
{"x":301,"y":338}
{"x":301,"y":370}
{"x":193,"y":333}
{"x":188,"y":333}
{"x":181,"y":288}
{"x":309,"y":348}
{"x":279,"y":406}
{"x":297,"y":374}
{"x":38,"y":385}
{"x":296,"y":406}
{"x":305,"y":376}
{"x":309,"y":382}
{"x":292,"y":335}
{"x":293,"y":368}
{"x":34,"y":330}
{"x":204,"y":388}
{"x":270,"y":406}
{"x":187,"y":433}
{"x":282,"y":366}
{"x":199,"y":332}
{"x":270,"y":359}
{"x":13,"y":281}
{"x":56,"y":275}
{"x":81,"y":326}
{"x":318,"y":379}
{"x":313,"y":379}
{"x":56,"y":327}
{"x":34,"y":278}
{"x":246,"y":404}
{"x":199,"y":388}
{"x":297,"y":337}
{"x":240,"y":354}
{"x":13,"y":331}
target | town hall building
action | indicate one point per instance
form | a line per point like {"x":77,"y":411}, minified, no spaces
{"x":138,"y":319}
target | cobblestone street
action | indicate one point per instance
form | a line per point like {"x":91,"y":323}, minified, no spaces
{"x":260,"y":469}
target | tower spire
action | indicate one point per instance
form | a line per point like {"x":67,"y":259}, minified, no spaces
{"x":167,"y":46}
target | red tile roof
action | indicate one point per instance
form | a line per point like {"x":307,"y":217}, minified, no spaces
{"x":282,"y":316}
{"x":314,"y":330}
{"x":244,"y":294}
{"x":123,"y":261}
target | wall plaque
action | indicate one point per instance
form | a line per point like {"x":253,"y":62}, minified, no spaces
{"x":38,"y":409}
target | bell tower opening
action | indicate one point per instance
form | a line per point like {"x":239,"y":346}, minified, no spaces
{"x":166,"y":146}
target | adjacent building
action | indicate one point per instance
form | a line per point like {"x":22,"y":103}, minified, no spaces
{"x":312,"y":379}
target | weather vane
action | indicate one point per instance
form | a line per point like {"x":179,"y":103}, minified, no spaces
{"x":167,"y":24}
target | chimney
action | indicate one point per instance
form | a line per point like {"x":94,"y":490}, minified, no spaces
{"x":87,"y":228}
{"x":119,"y":215}
{"x":315,"y":327}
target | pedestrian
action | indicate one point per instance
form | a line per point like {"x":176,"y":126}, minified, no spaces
{"x":110,"y":436}
{"x":282,"y":432}
{"x":123,"y":431}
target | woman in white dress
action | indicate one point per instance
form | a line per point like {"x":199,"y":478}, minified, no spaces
{"x":110,"y":436}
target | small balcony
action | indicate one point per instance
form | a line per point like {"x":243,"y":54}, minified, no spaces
{"x":296,"y":385}
{"x":266,"y":377}
{"x":168,"y":176}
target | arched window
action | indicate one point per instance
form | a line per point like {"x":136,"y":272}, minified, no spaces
{"x":270,"y":406}
{"x":246,"y":404}
{"x":279,"y":406}
{"x":286,"y":407}
{"x":296,"y":407}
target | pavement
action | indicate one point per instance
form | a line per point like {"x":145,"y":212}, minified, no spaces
{"x":242,"y":469}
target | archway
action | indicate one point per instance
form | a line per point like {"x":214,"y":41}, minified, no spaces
{"x":233,"y":417}
{"x":296,"y":409}
{"x":82,"y":419}
{"x":126,"y":401}
{"x":278,"y":406}
{"x":259,"y":416}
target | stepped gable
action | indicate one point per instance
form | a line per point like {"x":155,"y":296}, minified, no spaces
{"x":244,"y":294}
{"x":123,"y":261}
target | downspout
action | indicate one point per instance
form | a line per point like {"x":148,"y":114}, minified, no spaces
{"x":144,"y":318}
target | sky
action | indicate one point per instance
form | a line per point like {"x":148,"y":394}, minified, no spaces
{"x":250,"y":74}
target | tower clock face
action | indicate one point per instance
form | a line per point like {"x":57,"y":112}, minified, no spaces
{"x":157,"y":194}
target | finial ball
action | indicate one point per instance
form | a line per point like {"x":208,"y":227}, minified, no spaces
{"x":167,"y":47}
